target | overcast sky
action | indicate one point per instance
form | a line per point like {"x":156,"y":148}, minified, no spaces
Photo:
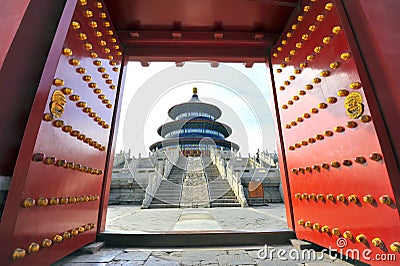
{"x":243,"y":95}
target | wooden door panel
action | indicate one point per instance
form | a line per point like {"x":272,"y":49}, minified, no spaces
{"x":56,"y":189}
{"x":332,"y":148}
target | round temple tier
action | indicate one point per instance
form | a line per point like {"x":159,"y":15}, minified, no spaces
{"x":194,"y":108}
{"x":202,"y":127}
{"x":194,"y":128}
{"x":195,"y":144}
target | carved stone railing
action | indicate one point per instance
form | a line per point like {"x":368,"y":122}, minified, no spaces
{"x":268,"y":159}
{"x":152,"y":186}
{"x":153,"y":157}
{"x":208,"y":186}
{"x":254,"y":163}
{"x":133,"y":166}
{"x":234,"y":181}
{"x":162,"y":171}
{"x":226,"y":170}
{"x":172,"y":159}
{"x":218,"y":161}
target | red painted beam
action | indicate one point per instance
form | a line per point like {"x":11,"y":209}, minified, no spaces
{"x":243,"y":47}
{"x":234,"y":55}
{"x":194,"y":38}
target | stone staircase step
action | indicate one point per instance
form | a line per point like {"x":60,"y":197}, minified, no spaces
{"x":220,"y":196}
{"x":165,"y":200}
{"x":174,"y":199}
{"x":224,"y":201}
{"x":221,"y":193}
{"x":220,"y":190}
{"x":169,"y":192}
{"x":213,"y":204}
{"x":168,"y":195}
{"x":156,"y":206}
{"x":223,"y":196}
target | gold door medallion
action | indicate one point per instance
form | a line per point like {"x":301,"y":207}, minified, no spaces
{"x":353,"y":104}
{"x":57,"y":103}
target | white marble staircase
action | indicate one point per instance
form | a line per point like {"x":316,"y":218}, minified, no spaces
{"x":190,"y":184}
{"x":221,"y":193}
{"x":169,"y":192}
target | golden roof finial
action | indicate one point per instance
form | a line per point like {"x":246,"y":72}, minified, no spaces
{"x":194,"y":90}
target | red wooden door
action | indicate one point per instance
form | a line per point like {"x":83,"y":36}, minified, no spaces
{"x":342,"y":181}
{"x":57,"y":191}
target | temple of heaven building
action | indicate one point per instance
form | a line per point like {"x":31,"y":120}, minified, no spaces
{"x":195,"y":129}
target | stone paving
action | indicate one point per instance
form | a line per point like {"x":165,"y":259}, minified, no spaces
{"x":132,"y":218}
{"x":196,"y":220}
{"x":128,"y":218}
{"x":200,"y":256}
